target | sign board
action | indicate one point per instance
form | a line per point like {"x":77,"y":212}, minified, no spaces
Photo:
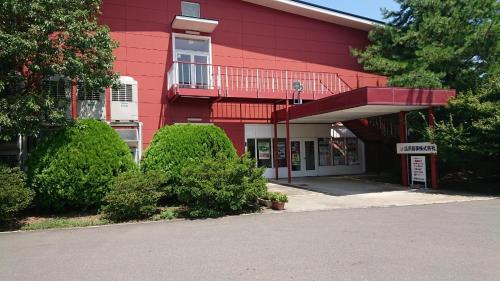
{"x":418,"y":170}
{"x":297,"y":86}
{"x":264,"y":149}
{"x":416,"y":148}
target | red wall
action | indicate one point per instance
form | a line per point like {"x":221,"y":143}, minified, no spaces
{"x":248,"y":35}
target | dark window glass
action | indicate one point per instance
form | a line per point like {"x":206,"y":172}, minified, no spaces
{"x":324,"y":152}
{"x":339,"y":151}
{"x":309,"y":152}
{"x":352,"y":151}
{"x":251,"y":147}
{"x":281,"y":151}
{"x":295,"y":151}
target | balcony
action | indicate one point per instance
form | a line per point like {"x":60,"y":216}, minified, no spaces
{"x":197,"y":80}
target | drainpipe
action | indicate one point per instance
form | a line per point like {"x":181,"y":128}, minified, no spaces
{"x":139,"y":146}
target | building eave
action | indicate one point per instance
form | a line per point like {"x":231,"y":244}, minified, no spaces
{"x":320,"y":13}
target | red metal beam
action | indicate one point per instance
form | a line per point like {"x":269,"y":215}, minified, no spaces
{"x":369,"y":96}
{"x":434,"y":166}
{"x":404,"y":157}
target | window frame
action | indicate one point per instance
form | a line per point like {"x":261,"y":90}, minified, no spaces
{"x":175,"y":52}
{"x":191,"y":3}
{"x":330,"y":152}
{"x":195,"y":37}
{"x":255,"y":153}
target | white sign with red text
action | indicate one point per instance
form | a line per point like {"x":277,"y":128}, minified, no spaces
{"x":418,"y":172}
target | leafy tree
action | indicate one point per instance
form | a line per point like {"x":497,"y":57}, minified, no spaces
{"x":469,"y":139}
{"x":447,"y":44}
{"x":40,"y":39}
{"x":430,"y":43}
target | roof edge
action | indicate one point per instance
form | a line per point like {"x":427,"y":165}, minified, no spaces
{"x":302,"y":8}
{"x":338,"y":11}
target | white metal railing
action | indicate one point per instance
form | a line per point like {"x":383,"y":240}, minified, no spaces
{"x":229,"y":79}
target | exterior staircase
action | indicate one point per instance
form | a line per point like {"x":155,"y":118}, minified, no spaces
{"x":380,"y":135}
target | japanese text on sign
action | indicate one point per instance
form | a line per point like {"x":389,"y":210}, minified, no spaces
{"x":416,"y":148}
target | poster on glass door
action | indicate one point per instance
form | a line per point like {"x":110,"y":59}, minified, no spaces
{"x":264,"y":149}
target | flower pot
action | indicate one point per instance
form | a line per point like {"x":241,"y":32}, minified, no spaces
{"x":278,"y":205}
{"x":264,"y":202}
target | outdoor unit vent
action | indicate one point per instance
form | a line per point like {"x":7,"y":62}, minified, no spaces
{"x":91,"y":103}
{"x":59,"y":88}
{"x":124,"y":99}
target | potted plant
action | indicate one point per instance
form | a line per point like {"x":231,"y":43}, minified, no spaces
{"x":265,"y":199}
{"x":278,"y":200}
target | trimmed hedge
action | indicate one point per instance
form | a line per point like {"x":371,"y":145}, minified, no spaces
{"x":133,"y":195}
{"x":173,"y":147}
{"x":215,"y":187}
{"x":14,"y":195}
{"x":73,"y":167}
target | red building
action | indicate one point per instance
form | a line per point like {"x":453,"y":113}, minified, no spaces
{"x":272,"y":73}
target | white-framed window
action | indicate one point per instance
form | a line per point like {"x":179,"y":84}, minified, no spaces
{"x":261,"y":150}
{"x":345,"y":147}
{"x":193,"y":56}
{"x":190,"y":9}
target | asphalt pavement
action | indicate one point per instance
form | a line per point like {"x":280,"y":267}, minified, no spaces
{"x":452,"y":241}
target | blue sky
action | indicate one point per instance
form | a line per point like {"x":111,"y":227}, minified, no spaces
{"x":366,"y":8}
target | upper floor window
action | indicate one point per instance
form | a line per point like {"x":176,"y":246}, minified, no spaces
{"x":190,"y":9}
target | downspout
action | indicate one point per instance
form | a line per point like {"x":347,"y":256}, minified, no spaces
{"x":139,"y":151}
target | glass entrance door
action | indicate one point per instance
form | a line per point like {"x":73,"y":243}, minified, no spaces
{"x":304,"y":157}
{"x":309,"y":156}
{"x":296,"y":156}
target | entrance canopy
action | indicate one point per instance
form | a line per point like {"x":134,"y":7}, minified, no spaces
{"x":363,"y":103}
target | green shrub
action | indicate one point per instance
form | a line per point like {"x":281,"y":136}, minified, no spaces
{"x":14,"y":195}
{"x":278,"y":197}
{"x":215,"y":187}
{"x":133,"y":195}
{"x":168,"y":214}
{"x":73,"y":167}
{"x":173,"y":147}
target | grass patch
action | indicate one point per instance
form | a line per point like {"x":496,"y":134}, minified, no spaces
{"x":62,"y":222}
{"x":169,"y":213}
{"x":38,"y":222}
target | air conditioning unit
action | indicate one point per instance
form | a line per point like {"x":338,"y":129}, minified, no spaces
{"x":124,"y":100}
{"x":91,"y":103}
{"x":10,"y":152}
{"x":59,"y":88}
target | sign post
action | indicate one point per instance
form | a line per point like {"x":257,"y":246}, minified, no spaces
{"x":418,"y":150}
